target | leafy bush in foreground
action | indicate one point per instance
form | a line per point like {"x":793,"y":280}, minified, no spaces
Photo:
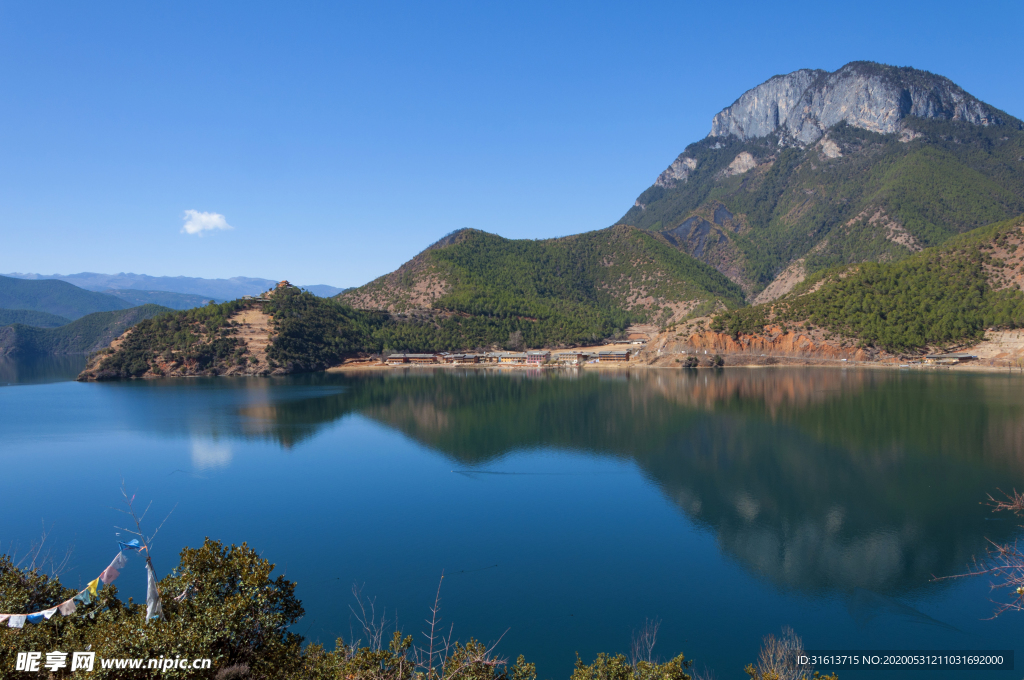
{"x":235,"y":613}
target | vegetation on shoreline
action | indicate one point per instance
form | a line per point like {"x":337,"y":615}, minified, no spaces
{"x":199,"y":337}
{"x":312,"y":333}
{"x":234,"y":612}
{"x":943,"y":296}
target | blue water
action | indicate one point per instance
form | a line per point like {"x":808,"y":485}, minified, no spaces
{"x":564,"y":509}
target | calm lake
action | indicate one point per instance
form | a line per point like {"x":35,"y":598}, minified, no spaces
{"x":564,"y":508}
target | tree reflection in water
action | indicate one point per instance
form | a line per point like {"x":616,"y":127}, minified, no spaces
{"x":819,"y":480}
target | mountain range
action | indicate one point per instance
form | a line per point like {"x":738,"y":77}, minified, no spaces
{"x":810,"y":170}
{"x":206,"y":289}
{"x":877,"y":204}
{"x":55,"y":317}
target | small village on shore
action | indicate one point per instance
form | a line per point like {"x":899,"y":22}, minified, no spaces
{"x":538,"y":357}
{"x":630,"y":356}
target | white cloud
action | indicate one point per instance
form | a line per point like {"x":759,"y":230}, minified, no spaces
{"x":196,"y":222}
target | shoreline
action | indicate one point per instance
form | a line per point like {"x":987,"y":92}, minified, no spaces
{"x":781,"y":362}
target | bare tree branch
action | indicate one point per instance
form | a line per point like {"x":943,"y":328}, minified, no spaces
{"x":1004,"y":562}
{"x":367,"y":617}
{"x":41,"y":558}
{"x":433,"y":637}
{"x":642,"y":647}
{"x":779,"y":659}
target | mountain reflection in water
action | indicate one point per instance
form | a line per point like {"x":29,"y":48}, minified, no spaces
{"x":44,"y":368}
{"x":818,"y":480}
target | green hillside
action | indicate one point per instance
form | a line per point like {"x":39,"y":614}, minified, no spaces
{"x":484,"y":290}
{"x":55,"y":297}
{"x":949,"y":178}
{"x":30,"y":318}
{"x":943,"y":296}
{"x":470,"y":290}
{"x":589,"y":283}
{"x":82,"y":336}
{"x":310,"y":333}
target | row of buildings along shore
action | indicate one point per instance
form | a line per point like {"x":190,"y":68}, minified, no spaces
{"x":533,"y":357}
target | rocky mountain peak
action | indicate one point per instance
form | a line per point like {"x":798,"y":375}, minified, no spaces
{"x":800,"y":106}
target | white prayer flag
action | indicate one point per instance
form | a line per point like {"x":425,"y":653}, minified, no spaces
{"x":154,"y":610}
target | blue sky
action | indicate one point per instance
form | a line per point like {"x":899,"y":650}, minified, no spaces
{"x":338,"y":140}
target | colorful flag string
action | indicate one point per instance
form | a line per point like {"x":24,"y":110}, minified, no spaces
{"x":91,"y":591}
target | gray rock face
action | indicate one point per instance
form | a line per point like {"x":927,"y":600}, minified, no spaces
{"x":760,"y":111}
{"x":802,"y":105}
{"x":677,"y":173}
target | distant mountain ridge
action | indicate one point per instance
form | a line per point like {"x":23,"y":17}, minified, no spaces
{"x":55,"y":297}
{"x":216,"y":289}
{"x":813,"y":169}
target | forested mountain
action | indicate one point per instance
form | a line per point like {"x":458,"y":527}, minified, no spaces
{"x":813,"y":169}
{"x":30,"y":318}
{"x":55,"y":297}
{"x":613,"y":276}
{"x":470,"y":290}
{"x":482,"y":290}
{"x":87,"y":334}
{"x":941,"y":297}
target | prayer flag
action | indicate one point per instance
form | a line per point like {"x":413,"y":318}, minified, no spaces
{"x":47,"y":614}
{"x":34,"y":618}
{"x":17,"y":621}
{"x":154,"y":610}
{"x":93,"y":586}
{"x":130,"y":545}
{"x":4,"y":617}
{"x":83,"y":597}
{"x":68,"y":608}
{"x":114,"y":570}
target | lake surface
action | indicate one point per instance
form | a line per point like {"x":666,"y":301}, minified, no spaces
{"x":565,"y":508}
